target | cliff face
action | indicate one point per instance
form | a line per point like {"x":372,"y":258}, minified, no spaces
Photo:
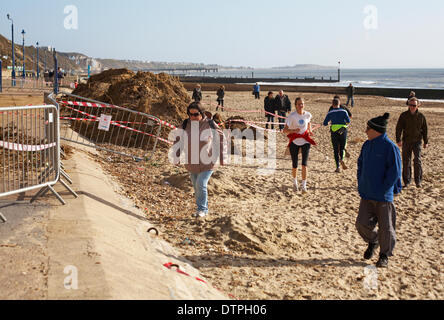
{"x":64,"y":60}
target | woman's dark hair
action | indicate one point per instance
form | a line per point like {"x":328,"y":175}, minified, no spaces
{"x":297,"y":99}
{"x":197,"y":106}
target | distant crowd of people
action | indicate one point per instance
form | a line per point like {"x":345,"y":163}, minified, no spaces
{"x":380,"y":166}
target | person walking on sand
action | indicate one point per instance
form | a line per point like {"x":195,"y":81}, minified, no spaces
{"x":339,"y":121}
{"x":351,"y":95}
{"x":197,"y":93}
{"x":205,"y":148}
{"x":282,"y":105}
{"x":298,"y":130}
{"x":341,"y":106}
{"x":411,"y":130}
{"x":379,"y":179}
{"x":412,"y":94}
{"x":220,"y":98}
{"x":269,"y":107}
{"x":257,"y":91}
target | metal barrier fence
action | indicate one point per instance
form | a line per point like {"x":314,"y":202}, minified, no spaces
{"x":30,"y":84}
{"x":29,"y":150}
{"x":107,"y":127}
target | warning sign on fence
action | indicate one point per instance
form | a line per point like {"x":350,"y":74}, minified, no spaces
{"x":104,"y":122}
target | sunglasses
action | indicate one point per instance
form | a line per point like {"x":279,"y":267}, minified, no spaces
{"x":413,"y":105}
{"x":194,"y":114}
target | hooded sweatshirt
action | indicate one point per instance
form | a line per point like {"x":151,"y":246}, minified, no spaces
{"x":379,"y":170}
{"x":199,"y":144}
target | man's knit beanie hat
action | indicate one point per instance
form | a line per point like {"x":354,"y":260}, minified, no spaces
{"x":379,"y":124}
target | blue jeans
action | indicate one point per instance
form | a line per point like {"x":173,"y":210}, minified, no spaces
{"x":352,"y":101}
{"x":281,"y":120}
{"x":200,"y":183}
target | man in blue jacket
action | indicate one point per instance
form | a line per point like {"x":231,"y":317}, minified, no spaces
{"x":257,"y":91}
{"x":379,"y":178}
{"x":339,"y":122}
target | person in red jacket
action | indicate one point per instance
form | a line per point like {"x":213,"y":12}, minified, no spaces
{"x":298,"y":129}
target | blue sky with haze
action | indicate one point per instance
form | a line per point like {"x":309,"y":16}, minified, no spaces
{"x":258,"y":33}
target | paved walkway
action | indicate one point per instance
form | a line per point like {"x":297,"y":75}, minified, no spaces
{"x":97,"y":246}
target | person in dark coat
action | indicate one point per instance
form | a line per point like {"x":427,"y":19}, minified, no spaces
{"x":269,"y":107}
{"x":220,"y":98}
{"x":197,"y":93}
{"x":411,"y":131}
{"x":411,"y":95}
{"x":282,"y":105}
{"x":350,"y":95}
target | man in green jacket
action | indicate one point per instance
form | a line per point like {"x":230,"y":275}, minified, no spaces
{"x":411,"y":130}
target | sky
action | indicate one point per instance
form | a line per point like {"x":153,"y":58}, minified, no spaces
{"x":255,"y":33}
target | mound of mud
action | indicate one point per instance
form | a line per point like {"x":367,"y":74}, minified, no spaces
{"x":160,"y":95}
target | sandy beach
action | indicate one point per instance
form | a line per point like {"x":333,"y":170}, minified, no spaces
{"x":263,"y":240}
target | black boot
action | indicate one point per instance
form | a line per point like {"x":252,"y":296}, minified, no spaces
{"x":370,"y":251}
{"x":383,"y":261}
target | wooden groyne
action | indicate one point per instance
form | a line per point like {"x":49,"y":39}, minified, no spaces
{"x":434,"y":94}
{"x":228,"y":80}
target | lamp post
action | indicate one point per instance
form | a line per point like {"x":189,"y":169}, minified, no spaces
{"x":44,"y":59}
{"x":23,"y":34}
{"x":339,"y":71}
{"x":13,"y":55}
{"x":38,"y":69}
{"x":56,"y":76}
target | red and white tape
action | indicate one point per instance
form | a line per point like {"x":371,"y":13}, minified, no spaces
{"x":101,"y":105}
{"x":256,"y":122}
{"x":252,"y":111}
{"x":24,"y":147}
{"x":251,"y":124}
{"x":115,"y":123}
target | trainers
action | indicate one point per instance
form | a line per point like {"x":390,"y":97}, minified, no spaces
{"x":202,"y":214}
{"x":304,"y":189}
{"x":383,"y":261}
{"x":344,"y":166}
{"x":338,"y":170}
{"x":418,"y":185}
{"x":347,"y":155}
{"x":370,"y":251}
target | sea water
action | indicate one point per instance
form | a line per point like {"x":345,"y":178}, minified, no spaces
{"x":381,"y":78}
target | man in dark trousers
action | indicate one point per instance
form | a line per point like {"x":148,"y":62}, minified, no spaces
{"x":197,"y":93}
{"x":340,"y":120}
{"x":350,"y":95}
{"x":269,"y":107}
{"x":282,"y":105}
{"x":379,"y":179}
{"x":341,"y":106}
{"x":411,"y":131}
{"x":257,"y":91}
